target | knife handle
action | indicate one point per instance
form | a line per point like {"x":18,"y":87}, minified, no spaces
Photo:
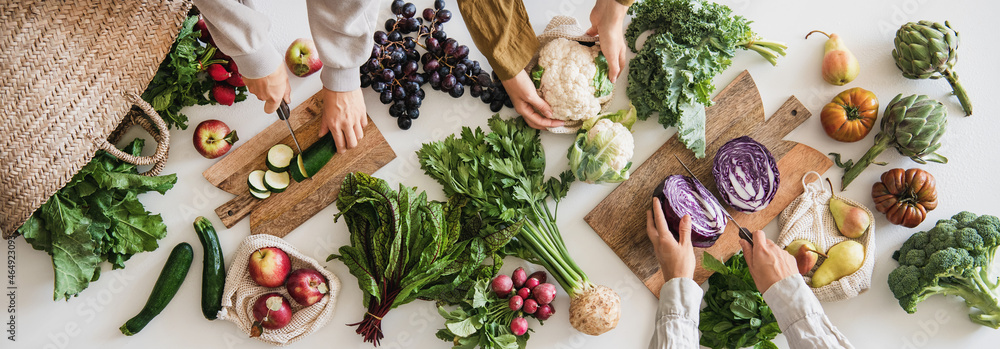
{"x":283,"y":110}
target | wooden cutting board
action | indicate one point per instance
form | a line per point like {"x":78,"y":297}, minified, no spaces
{"x":620,"y":219}
{"x":282,"y":212}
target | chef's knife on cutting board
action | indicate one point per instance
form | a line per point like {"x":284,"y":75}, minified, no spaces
{"x":283,"y":115}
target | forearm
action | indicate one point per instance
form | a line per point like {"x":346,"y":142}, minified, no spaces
{"x":800,"y":316}
{"x":677,"y":315}
{"x":242,"y":33}
{"x":343,"y":32}
{"x":502,"y":32}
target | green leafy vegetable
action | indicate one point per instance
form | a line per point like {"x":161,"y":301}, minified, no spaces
{"x":602,"y":84}
{"x":536,"y":75}
{"x":602,"y":151}
{"x":735,"y":315}
{"x":482,"y":320}
{"x":180,"y":80}
{"x":97,"y":217}
{"x":405,"y":248}
{"x":691,"y":42}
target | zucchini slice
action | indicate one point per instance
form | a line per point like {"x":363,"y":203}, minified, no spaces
{"x":256,"y":181}
{"x":276,"y":182}
{"x":260,"y":195}
{"x":297,"y":169}
{"x":278,"y":157}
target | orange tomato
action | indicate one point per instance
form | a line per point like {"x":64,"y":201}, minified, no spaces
{"x":851,"y":115}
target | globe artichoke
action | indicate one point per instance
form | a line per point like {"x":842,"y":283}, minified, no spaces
{"x":929,"y":50}
{"x":913,"y":125}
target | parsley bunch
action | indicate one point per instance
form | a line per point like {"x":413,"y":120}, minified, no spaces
{"x":97,"y":217}
{"x":691,"y":42}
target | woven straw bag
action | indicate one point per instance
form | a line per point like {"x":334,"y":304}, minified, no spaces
{"x":241,"y":292}
{"x":72,"y":70}
{"x":808,"y":217}
{"x":568,"y":28}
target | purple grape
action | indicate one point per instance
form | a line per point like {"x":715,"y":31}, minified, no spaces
{"x":476,"y":90}
{"x":429,"y":14}
{"x":397,"y":7}
{"x":438,"y":4}
{"x":486,"y":96}
{"x":412,"y":24}
{"x":449,"y":81}
{"x":434,"y":79}
{"x":459,"y":69}
{"x":423,"y":30}
{"x":413,"y":101}
{"x":462,"y":51}
{"x":409,"y":10}
{"x":378,"y":86}
{"x":508,"y":103}
{"x":366,"y":81}
{"x":449,"y":46}
{"x":484,"y":79}
{"x":376,"y":50}
{"x":398,"y":93}
{"x":394,"y":36}
{"x":476,"y":69}
{"x":396,"y":109}
{"x":439,"y":34}
{"x":431,"y":65}
{"x":458,"y":90}
{"x":398,"y":56}
{"x":381,"y":37}
{"x":397,"y":70}
{"x":418,"y":79}
{"x":411,"y":87}
{"x":432,"y":44}
{"x":444,"y":16}
{"x":388,"y":75}
{"x":413,"y":113}
{"x":404,"y":123}
{"x":495,"y":106}
{"x":421,"y":94}
{"x":390,"y":24}
{"x":409,"y":68}
{"x":385,"y":97}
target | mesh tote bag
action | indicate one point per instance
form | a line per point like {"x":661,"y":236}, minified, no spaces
{"x":72,"y":72}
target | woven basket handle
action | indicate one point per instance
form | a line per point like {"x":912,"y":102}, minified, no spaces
{"x":158,"y":129}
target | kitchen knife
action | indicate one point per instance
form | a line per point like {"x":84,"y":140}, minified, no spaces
{"x":283,"y":115}
{"x":744,"y":233}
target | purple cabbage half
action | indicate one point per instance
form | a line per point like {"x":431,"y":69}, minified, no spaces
{"x":681,"y":195}
{"x":745,"y":174}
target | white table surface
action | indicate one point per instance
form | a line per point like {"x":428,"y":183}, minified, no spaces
{"x":872,"y":320}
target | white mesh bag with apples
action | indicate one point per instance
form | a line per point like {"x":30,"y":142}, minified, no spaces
{"x":241,"y":292}
{"x":808,"y":217}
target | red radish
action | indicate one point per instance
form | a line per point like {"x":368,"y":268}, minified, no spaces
{"x":224,"y":93}
{"x":217,"y":72}
{"x":545,"y":311}
{"x":223,"y":56}
{"x":531,"y":283}
{"x":519,"y":276}
{"x":519,"y":326}
{"x":236,"y":80}
{"x":203,"y":28}
{"x":539,"y":275}
{"x":530,"y":306}
{"x":232,"y":65}
{"x":524,"y":293}
{"x":516,"y":302}
{"x":502,"y":285}
{"x":544,"y":293}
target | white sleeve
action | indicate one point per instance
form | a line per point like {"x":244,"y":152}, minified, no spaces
{"x":342,"y":30}
{"x":242,"y":32}
{"x":677,"y":316}
{"x":800,"y":316}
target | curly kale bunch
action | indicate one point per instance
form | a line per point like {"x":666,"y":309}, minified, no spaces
{"x":953,"y":258}
{"x":691,"y":42}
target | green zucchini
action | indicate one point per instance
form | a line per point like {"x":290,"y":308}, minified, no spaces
{"x":278,"y":157}
{"x":297,"y":168}
{"x":260,"y":195}
{"x":213,"y":275}
{"x":314,"y":158}
{"x":276,"y":182}
{"x":167,"y":284}
{"x":256,"y":181}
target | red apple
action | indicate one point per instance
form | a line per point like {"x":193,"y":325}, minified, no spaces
{"x":272,"y":311}
{"x":306,"y":286}
{"x":302,"y":58}
{"x":212,"y":138}
{"x":269,"y":266}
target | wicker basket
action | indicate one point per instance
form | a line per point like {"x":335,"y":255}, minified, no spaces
{"x":72,"y":72}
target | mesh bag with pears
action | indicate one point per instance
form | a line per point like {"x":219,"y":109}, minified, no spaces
{"x":832,"y":240}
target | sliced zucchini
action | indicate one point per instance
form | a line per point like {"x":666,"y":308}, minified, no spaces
{"x":276,"y":182}
{"x":278,"y":157}
{"x":297,"y":169}
{"x":260,"y":195}
{"x":256,"y":181}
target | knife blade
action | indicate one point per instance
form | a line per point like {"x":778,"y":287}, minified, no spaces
{"x":743,"y":232}
{"x":283,"y":115}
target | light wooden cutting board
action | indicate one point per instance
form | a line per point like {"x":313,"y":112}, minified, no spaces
{"x":620,"y":219}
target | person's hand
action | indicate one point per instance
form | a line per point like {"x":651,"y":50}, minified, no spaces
{"x":344,"y":114}
{"x":606,"y":22}
{"x":768,"y":263}
{"x":676,"y":257}
{"x":526,"y":101}
{"x":271,"y":89}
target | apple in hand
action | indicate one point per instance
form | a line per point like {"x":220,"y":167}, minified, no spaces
{"x":269,"y":266}
{"x":306,"y":286}
{"x":272,"y":311}
{"x":212,"y":138}
{"x":302,"y":58}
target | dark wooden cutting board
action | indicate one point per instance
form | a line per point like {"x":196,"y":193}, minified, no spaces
{"x":620,"y":219}
{"x":282,"y":212}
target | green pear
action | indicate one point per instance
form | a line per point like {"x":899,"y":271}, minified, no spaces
{"x":844,"y":259}
{"x":852,"y":221}
{"x":805,"y":254}
{"x":839,"y":64}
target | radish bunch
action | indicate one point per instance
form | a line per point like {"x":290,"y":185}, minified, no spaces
{"x":225,"y":73}
{"x":528,"y":295}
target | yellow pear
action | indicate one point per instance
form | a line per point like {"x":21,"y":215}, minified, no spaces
{"x":852,"y":221}
{"x":844,"y":259}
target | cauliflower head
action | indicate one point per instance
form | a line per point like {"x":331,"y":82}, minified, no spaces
{"x":602,"y":152}
{"x":573,"y":79}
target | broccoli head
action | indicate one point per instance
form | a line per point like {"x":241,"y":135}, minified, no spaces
{"x":953,"y":258}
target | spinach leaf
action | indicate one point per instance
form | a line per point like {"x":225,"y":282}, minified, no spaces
{"x":735,"y":315}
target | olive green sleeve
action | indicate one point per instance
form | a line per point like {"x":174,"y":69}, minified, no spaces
{"x":502,"y":32}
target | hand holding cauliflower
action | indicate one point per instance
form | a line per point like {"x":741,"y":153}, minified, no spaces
{"x":573,"y":79}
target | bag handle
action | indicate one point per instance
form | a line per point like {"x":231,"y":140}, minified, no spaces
{"x":157,"y":129}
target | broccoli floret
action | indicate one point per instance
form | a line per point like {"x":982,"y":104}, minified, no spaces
{"x":953,"y":258}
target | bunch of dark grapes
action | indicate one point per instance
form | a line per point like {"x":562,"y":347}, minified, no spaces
{"x":393,"y":70}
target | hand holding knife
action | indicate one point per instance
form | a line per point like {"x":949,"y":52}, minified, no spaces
{"x":283,"y":114}
{"x":743,"y":232}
